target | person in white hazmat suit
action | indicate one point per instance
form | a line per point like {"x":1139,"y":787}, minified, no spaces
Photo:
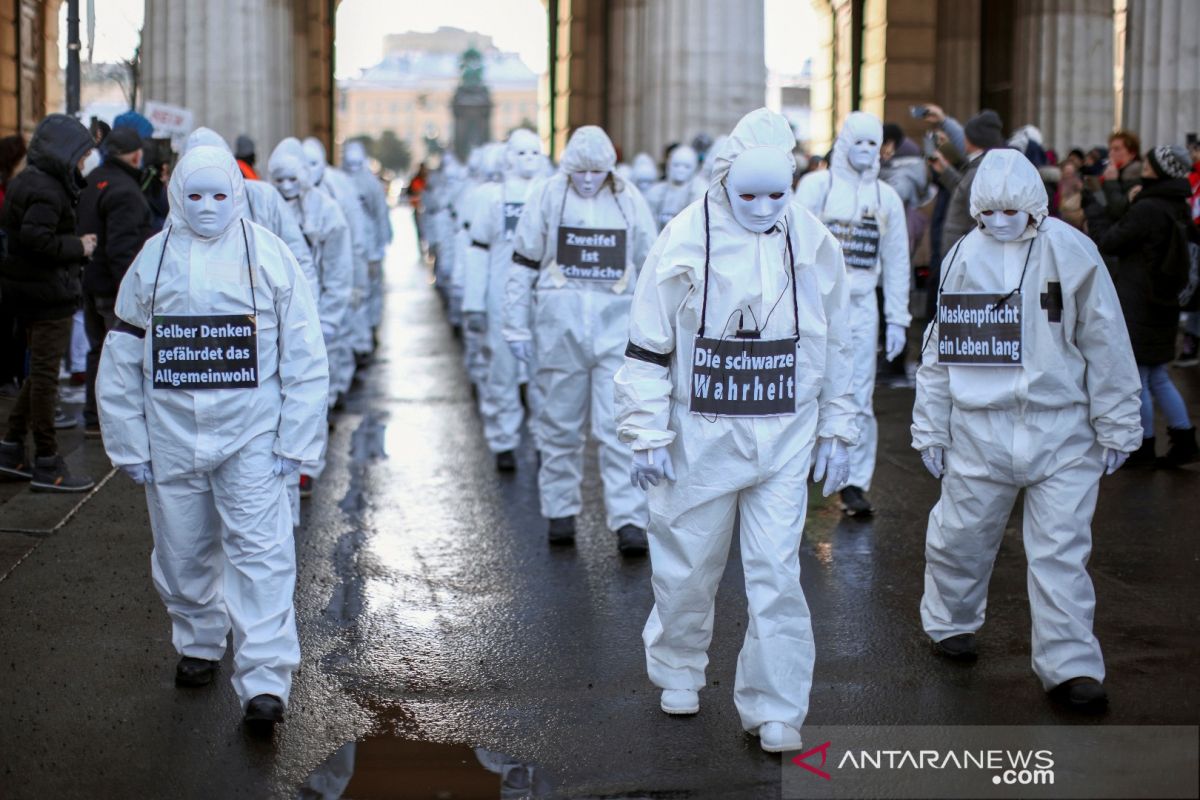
{"x":494,"y":221}
{"x":328,"y":234}
{"x":1049,"y":410}
{"x":643,"y":172}
{"x":487,"y":165}
{"x":375,"y":205}
{"x":867,"y":217}
{"x":737,"y":374}
{"x":577,"y":247}
{"x":337,"y":185}
{"x":212,"y":389}
{"x":669,"y":197}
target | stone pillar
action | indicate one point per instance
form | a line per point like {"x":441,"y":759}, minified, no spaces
{"x":956,"y":77}
{"x":822,"y":97}
{"x":1063,"y":71}
{"x":1162,"y":70}
{"x":259,"y":67}
{"x":899,"y":52}
{"x":677,"y":68}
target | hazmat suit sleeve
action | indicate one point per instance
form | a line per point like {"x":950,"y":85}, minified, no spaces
{"x":893,"y":257}
{"x":836,"y":407}
{"x":336,"y":284}
{"x":529,"y":249}
{"x":284,"y":225}
{"x":1113,"y":386}
{"x":931,"y":411}
{"x":642,"y":387}
{"x":303,"y":367}
{"x":483,"y":237}
{"x":120,"y":385}
{"x":812,"y":191}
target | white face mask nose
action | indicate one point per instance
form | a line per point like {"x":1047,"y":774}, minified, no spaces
{"x":588,"y":183}
{"x":1005,"y":228}
{"x":862,"y":155}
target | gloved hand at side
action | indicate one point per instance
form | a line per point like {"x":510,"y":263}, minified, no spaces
{"x":833,"y":464}
{"x":896,"y":337}
{"x":650,"y":466}
{"x":1113,"y":460}
{"x":285,"y":466}
{"x":934,"y":459}
{"x":140,"y":473}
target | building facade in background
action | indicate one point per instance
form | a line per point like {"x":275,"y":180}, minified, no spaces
{"x":30,"y":80}
{"x":410,"y":92}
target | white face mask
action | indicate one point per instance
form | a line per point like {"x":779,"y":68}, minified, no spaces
{"x":1005,"y":228}
{"x":353,"y":158}
{"x":286,"y":177}
{"x":208,"y":202}
{"x":589,"y":183}
{"x":90,"y":162}
{"x":758,"y":187}
{"x":862,"y":154}
{"x":682,"y":167}
{"x":526,"y":160}
{"x":316,"y":168}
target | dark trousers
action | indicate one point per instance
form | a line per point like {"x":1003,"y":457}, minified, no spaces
{"x":98,"y":319}
{"x":34,"y":409}
{"x":12,"y":343}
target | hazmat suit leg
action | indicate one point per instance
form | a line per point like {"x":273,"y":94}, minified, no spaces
{"x":864,"y":326}
{"x":500,"y":396}
{"x":624,"y":504}
{"x":562,"y":374}
{"x":1054,"y":456}
{"x":247,"y":585}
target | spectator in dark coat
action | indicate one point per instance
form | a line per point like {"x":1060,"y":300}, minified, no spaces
{"x":1145,"y":240}
{"x":41,"y":276}
{"x":12,"y":334}
{"x":1107,"y":198}
{"x":114,"y":209}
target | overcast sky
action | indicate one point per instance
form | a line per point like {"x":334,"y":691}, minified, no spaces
{"x":516,"y":25}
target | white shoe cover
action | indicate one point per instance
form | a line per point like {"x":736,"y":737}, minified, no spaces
{"x":680,"y":701}
{"x":776,"y":737}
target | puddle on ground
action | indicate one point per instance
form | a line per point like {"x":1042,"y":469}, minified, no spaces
{"x":385,"y":767}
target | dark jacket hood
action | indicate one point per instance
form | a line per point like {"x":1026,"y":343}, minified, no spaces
{"x":1165,"y":188}
{"x":58,"y":143}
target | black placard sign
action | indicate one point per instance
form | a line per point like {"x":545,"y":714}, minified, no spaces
{"x":979,"y":329}
{"x":592,"y":254}
{"x":512,"y":213}
{"x":219,"y":351}
{"x":859,"y":240}
{"x":743,"y":377}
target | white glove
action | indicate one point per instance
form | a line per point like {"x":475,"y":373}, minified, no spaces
{"x":140,"y":473}
{"x":833,"y":459}
{"x":522,"y":350}
{"x":934,"y":459}
{"x":475,"y":321}
{"x":1113,"y":459}
{"x":896,"y":338}
{"x":285,"y":466}
{"x":650,"y":466}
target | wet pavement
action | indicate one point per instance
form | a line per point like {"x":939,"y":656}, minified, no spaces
{"x":449,"y":652}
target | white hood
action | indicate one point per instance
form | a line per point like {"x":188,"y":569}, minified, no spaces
{"x":1006,"y":179}
{"x":194,"y":160}
{"x":759,"y":128}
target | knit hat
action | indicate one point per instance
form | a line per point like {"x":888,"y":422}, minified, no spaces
{"x":132,"y":119}
{"x":1170,"y":161}
{"x":985,"y":130}
{"x":122,"y":141}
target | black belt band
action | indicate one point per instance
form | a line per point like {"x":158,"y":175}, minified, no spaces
{"x":124,"y":327}
{"x":480,"y":245}
{"x":525,"y":262}
{"x":649,"y":356}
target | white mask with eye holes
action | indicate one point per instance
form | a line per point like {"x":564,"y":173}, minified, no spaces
{"x":759,"y":187}
{"x":862,"y":154}
{"x":208,"y":202}
{"x":1004,"y":227}
{"x":588,"y":183}
{"x":285,"y":174}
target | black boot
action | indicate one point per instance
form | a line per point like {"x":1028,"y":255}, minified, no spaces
{"x":262,"y":712}
{"x":191,"y":673}
{"x":631,"y":540}
{"x":855,"y":502}
{"x":506,"y":461}
{"x":957,"y":648}
{"x":1143,"y":457}
{"x":1183,"y":449}
{"x":562,"y":530}
{"x":1081,"y":694}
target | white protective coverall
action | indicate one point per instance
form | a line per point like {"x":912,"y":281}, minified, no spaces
{"x":643,"y":172}
{"x":496,"y":212}
{"x":338,"y":185}
{"x":1041,"y":424}
{"x":375,"y":205}
{"x":223,"y":558}
{"x":669,"y":197}
{"x":859,"y":208}
{"x":726,"y":464}
{"x":580,"y":322}
{"x":487,"y":165}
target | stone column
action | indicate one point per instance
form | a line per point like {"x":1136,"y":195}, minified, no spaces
{"x":956,"y":77}
{"x":680,"y":67}
{"x":229,"y":61}
{"x":1064,"y":68}
{"x":1162,"y":70}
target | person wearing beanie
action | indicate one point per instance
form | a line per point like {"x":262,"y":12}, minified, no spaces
{"x":1151,"y":270}
{"x":113,"y":208}
{"x":983,"y":132}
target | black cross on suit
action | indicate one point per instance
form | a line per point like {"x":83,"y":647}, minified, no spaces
{"x":1052,"y":301}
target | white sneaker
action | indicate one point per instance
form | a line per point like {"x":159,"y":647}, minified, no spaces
{"x":680,"y":701}
{"x":775,"y":737}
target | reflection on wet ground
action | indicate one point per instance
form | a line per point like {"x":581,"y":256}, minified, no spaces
{"x":387,"y":768}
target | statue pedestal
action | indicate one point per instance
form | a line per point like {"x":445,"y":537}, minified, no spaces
{"x":472,"y":107}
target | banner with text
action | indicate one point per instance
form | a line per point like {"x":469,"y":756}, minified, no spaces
{"x":592,"y":254}
{"x":743,"y":377}
{"x":979,"y":329}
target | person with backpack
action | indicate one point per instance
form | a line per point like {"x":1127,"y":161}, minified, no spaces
{"x":1151,"y":243}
